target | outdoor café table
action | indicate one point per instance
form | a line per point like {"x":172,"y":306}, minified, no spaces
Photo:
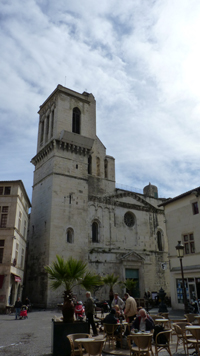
{"x":192,"y":327}
{"x":84,"y":339}
{"x":141,"y":332}
{"x":161,"y":321}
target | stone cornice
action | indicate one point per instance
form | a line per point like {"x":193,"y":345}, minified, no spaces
{"x":43,"y":152}
{"x":75,"y":148}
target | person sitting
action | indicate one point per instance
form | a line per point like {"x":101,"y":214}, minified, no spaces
{"x":143,"y":322}
{"x":111,"y":319}
{"x":119,"y":314}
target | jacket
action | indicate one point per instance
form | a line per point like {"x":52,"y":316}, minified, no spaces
{"x":18,"y":304}
{"x":89,"y":306}
{"x":110,"y":319}
{"x":130,"y":307}
{"x":120,"y":303}
{"x":149,"y":323}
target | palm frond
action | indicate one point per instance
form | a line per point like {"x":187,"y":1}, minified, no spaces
{"x":111,"y":280}
{"x":71,"y":273}
{"x":90,"y":281}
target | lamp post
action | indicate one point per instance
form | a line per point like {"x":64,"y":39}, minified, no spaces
{"x":180,"y":254}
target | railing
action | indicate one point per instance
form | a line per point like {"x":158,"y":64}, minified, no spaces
{"x":130,"y":189}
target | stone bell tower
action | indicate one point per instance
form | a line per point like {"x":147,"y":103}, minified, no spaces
{"x":67,"y":130}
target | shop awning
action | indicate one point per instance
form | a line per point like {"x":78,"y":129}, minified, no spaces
{"x":17,"y":279}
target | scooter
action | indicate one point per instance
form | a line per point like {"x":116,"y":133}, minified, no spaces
{"x":79,"y":311}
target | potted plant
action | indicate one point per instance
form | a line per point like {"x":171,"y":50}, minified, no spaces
{"x":69,"y":274}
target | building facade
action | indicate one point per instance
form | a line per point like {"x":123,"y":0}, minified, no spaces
{"x":78,"y":211}
{"x":183,"y":224}
{"x":14,"y":207}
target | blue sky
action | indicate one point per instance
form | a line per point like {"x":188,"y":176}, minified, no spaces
{"x":140,"y":59}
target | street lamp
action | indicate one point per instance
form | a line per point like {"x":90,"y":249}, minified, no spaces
{"x":180,"y":254}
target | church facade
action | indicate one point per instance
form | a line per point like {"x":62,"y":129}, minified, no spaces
{"x":78,"y":211}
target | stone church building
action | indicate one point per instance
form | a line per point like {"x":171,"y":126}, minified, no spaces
{"x":78,"y":211}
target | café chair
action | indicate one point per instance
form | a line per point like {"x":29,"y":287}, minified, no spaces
{"x":194,"y":341}
{"x":190,"y":318}
{"x":73,"y":344}
{"x":142,"y":342}
{"x":162,"y":342}
{"x":181,"y":334}
{"x":165,"y":315}
{"x":111,"y":335}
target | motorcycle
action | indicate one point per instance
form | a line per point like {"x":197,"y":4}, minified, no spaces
{"x":102,"y":305}
{"x":79,"y":311}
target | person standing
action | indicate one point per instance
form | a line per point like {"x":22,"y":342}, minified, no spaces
{"x":130,"y":308}
{"x":117,"y":301}
{"x":89,"y":311}
{"x":18,"y":305}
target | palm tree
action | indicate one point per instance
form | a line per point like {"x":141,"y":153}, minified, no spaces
{"x":69,"y":274}
{"x":131,"y":286}
{"x":111,"y":280}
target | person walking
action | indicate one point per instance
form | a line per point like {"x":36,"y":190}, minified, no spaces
{"x":130,"y":308}
{"x":89,"y":311}
{"x":18,"y":305}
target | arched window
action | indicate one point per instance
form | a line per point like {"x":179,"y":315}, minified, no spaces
{"x":159,"y":241}
{"x":42,"y":133}
{"x":106,"y":168}
{"x":76,"y":121}
{"x":70,"y":236}
{"x":90,"y":165}
{"x":95,"y":232}
{"x":98,"y":166}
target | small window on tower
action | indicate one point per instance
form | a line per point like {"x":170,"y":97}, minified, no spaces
{"x":159,"y":241}
{"x":70,"y":235}
{"x":95,"y":232}
{"x":90,"y":165}
{"x":76,"y":121}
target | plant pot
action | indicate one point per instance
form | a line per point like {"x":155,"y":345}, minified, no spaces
{"x":60,"y":343}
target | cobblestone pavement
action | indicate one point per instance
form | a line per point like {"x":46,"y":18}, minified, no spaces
{"x":32,"y":336}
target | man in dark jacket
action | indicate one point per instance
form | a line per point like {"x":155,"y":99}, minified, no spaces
{"x":18,"y":305}
{"x":143,"y":322}
{"x":111,"y":318}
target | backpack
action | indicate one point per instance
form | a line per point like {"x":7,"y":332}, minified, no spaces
{"x":161,"y":338}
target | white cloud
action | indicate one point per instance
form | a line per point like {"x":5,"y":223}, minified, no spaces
{"x":139,"y":59}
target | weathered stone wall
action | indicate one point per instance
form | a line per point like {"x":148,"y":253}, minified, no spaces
{"x":66,"y":197}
